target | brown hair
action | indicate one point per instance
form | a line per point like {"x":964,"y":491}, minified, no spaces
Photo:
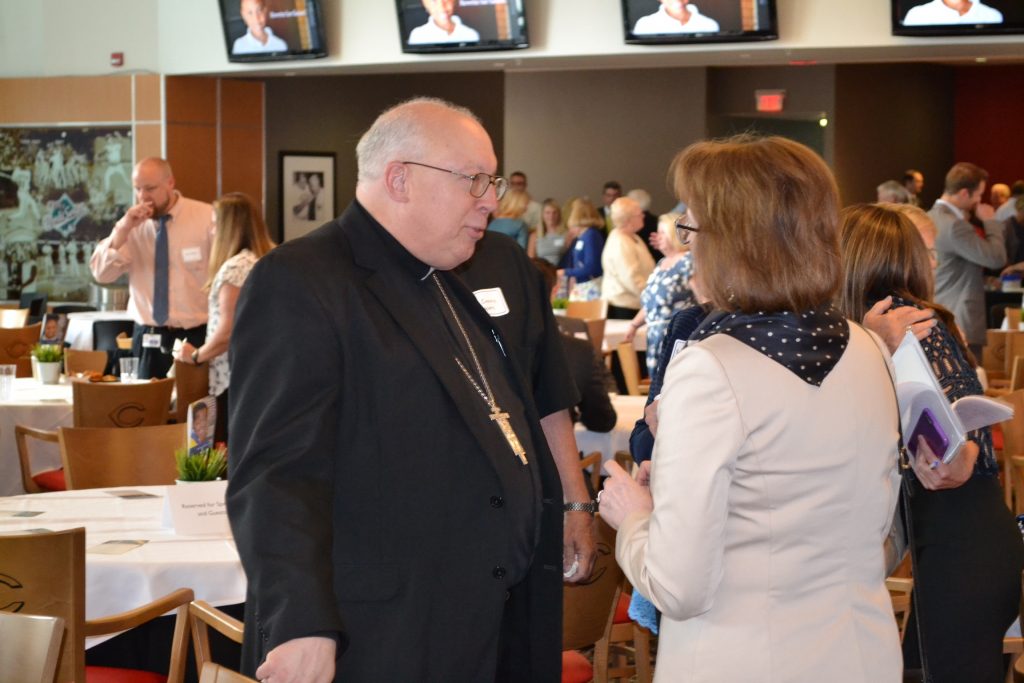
{"x":583,"y":214}
{"x":513,"y":205}
{"x":239,"y":226}
{"x":883,"y":254}
{"x":767,"y":210}
{"x":542,"y":228}
{"x":964,"y":176}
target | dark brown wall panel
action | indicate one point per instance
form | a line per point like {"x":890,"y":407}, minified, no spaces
{"x":192,"y":152}
{"x":989,"y":107}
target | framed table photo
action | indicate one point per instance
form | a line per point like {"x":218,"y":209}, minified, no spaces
{"x":307,"y":191}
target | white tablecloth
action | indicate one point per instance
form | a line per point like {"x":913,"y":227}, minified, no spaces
{"x":115,"y":583}
{"x":628,"y":409}
{"x":43,"y":406}
{"x":79,"y":333}
{"x":615,"y":333}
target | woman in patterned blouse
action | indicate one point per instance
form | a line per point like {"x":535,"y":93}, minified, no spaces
{"x":969,"y":551}
{"x":240,"y":239}
{"x":667,"y":289}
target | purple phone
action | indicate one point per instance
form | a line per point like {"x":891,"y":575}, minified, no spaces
{"x":928,"y":427}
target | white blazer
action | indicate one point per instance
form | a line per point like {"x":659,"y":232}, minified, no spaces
{"x":772,"y":499}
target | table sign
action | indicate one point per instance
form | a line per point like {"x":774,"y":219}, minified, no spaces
{"x":197,"y":508}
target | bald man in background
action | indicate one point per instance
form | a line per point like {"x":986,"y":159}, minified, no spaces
{"x":163,"y":244}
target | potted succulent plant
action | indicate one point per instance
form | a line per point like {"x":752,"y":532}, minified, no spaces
{"x":46,"y":361}
{"x":206,"y":464}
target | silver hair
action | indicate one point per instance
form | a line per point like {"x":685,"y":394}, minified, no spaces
{"x":621,"y":208}
{"x":892,"y":191}
{"x":398,"y":133}
{"x":641,"y":197}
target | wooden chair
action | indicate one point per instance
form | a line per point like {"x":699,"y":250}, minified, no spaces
{"x":900,"y":589}
{"x":593,"y":461}
{"x":12,"y":318}
{"x":1013,"y":442}
{"x":31,"y":647}
{"x":993,"y":356}
{"x":201,"y":617}
{"x":135,"y":456}
{"x":113,"y":404}
{"x":49,"y":570}
{"x":587,"y":310}
{"x":587,"y":608}
{"x":626,"y":639}
{"x":77,"y":361}
{"x":191,"y":382}
{"x":215,"y":673}
{"x":15,"y":345}
{"x":31,"y":480}
{"x":631,"y":370}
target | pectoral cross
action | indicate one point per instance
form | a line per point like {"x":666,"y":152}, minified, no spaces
{"x":502,"y":420}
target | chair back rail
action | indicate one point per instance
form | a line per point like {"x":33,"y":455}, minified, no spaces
{"x":106,"y":457}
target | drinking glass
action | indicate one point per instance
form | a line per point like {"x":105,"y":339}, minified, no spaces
{"x":7,"y":374}
{"x":129,"y":369}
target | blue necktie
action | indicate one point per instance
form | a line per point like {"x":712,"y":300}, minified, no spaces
{"x":160,"y":273}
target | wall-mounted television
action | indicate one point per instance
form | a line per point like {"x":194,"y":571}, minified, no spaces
{"x":272,"y":30}
{"x":461,"y":25}
{"x":665,"y":22}
{"x":957,"y":17}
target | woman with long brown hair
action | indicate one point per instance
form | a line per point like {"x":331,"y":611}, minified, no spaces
{"x":239,"y":240}
{"x":969,"y":551}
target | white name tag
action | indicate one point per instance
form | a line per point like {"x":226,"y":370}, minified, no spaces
{"x":679,"y":346}
{"x":579,"y":245}
{"x":191,"y":254}
{"x":493,"y":301}
{"x":151,"y":341}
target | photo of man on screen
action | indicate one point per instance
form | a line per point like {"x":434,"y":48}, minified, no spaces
{"x":944,"y":12}
{"x":258,"y":36}
{"x":443,"y":26}
{"x":675,"y":16}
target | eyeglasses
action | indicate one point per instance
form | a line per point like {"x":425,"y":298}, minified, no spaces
{"x":478,"y":182}
{"x":684,"y":230}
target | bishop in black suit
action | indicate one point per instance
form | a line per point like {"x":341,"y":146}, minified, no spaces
{"x":394,"y":503}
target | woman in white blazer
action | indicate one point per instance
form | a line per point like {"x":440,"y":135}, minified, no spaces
{"x":758,"y":531}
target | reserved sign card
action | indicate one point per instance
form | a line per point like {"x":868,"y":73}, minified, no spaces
{"x":198,"y":508}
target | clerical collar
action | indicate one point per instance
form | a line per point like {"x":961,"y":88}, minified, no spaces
{"x":418,"y":269}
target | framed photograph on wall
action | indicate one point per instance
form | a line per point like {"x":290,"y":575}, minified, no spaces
{"x":307,"y":191}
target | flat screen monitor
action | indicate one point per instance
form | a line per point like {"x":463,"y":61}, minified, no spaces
{"x":666,"y":22}
{"x":272,"y":30}
{"x":953,"y":18}
{"x":461,"y":25}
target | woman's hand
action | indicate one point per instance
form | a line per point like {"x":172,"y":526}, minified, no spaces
{"x":185,"y":353}
{"x":936,"y":475}
{"x":1015,"y":268}
{"x":622,"y":496}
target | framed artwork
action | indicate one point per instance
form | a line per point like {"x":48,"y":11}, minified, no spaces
{"x":307,"y":191}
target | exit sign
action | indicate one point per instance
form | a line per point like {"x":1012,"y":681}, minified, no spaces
{"x":770,"y":101}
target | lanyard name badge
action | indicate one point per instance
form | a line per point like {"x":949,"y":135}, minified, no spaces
{"x":151,"y":341}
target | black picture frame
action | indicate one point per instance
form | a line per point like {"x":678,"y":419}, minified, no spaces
{"x":299,"y":174}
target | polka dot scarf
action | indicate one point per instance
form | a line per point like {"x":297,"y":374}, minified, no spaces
{"x":808,"y":344}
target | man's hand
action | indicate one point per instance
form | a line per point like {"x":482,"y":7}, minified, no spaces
{"x":133,"y":218}
{"x":936,"y":475}
{"x":578,"y":546}
{"x":622,"y":496}
{"x":984,"y":212}
{"x":892,"y":326}
{"x":651,"y":417}
{"x":302,"y":660}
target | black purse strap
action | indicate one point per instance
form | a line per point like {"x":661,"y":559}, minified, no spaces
{"x":906,"y":493}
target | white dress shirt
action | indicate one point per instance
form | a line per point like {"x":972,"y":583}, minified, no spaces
{"x":936,"y":12}
{"x":189,"y":238}
{"x":431,"y":33}
{"x":661,"y":22}
{"x":249,"y":44}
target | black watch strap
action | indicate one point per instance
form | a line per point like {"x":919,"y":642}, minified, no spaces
{"x":589,"y":506}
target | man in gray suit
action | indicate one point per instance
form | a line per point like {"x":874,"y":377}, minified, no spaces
{"x":962,"y":252}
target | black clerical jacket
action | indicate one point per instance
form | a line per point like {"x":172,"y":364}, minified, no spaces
{"x":363,"y":494}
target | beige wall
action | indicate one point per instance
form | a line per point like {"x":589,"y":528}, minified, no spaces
{"x":572,"y":131}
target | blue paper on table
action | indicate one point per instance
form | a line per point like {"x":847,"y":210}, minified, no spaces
{"x":925,"y":410}
{"x":202,"y":417}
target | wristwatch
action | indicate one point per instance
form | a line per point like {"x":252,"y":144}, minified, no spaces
{"x":589,"y":506}
{"x":195,"y":356}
